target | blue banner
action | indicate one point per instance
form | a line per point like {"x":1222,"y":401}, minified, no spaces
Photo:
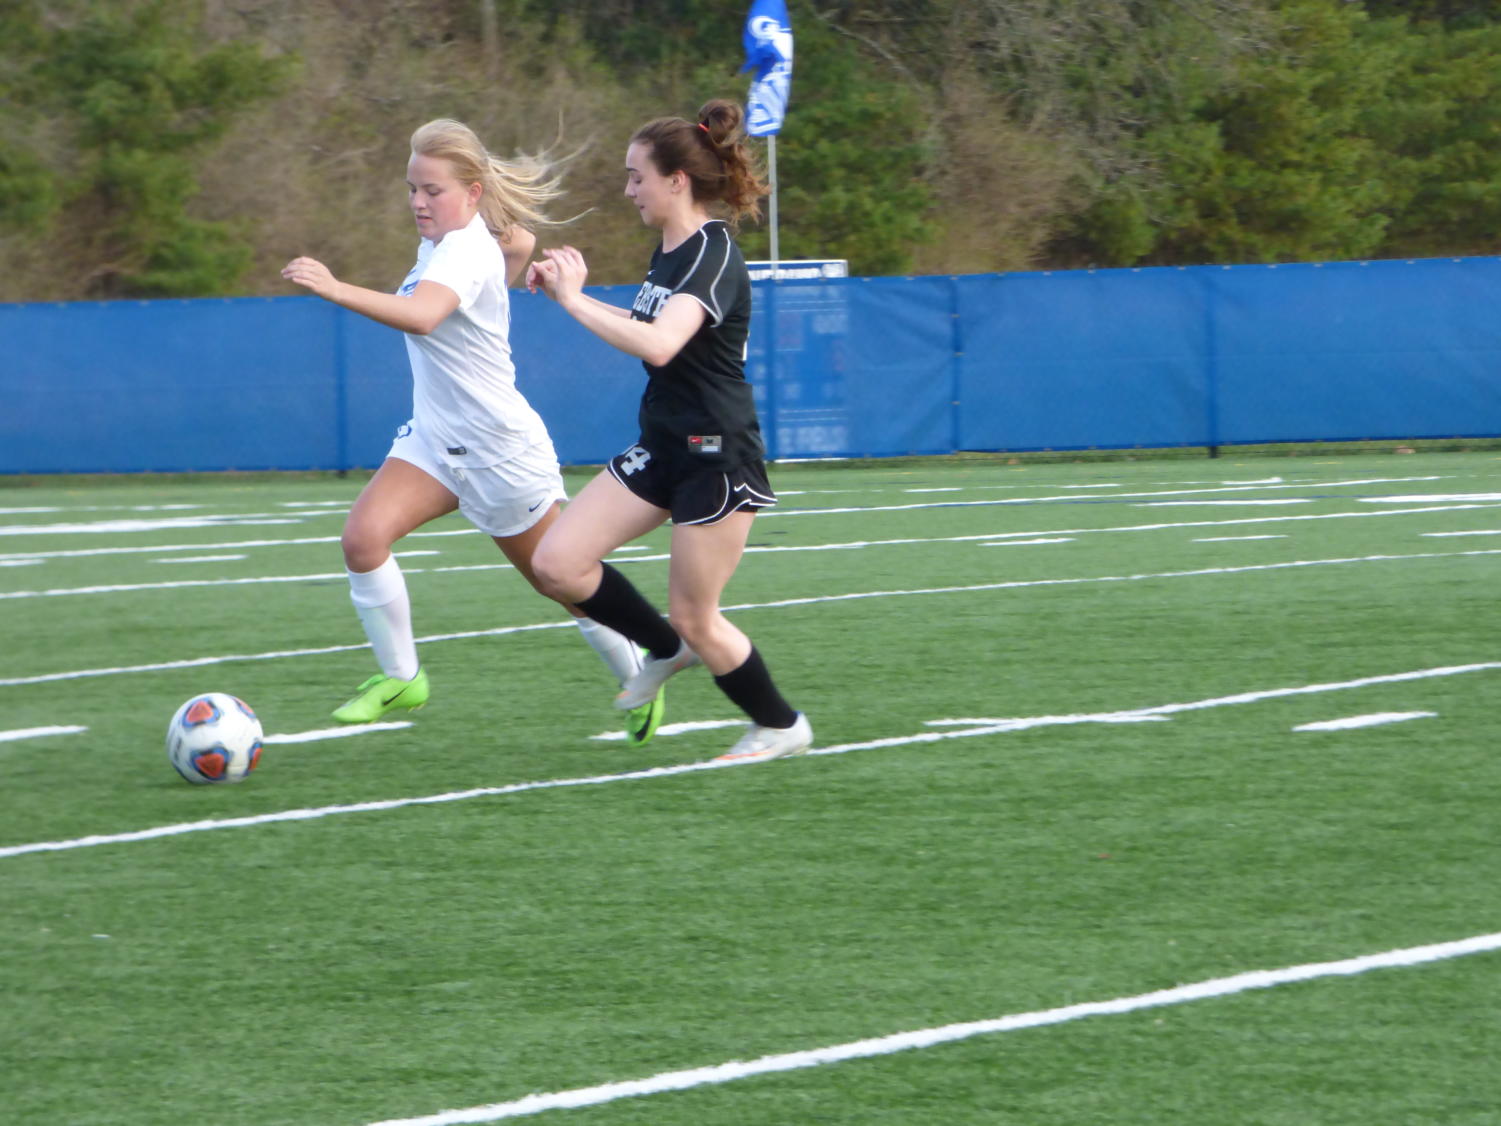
{"x":768,"y":51}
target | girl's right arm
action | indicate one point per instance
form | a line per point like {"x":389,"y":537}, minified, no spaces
{"x":542,"y":275}
{"x":561,"y":275}
{"x":421,"y":312}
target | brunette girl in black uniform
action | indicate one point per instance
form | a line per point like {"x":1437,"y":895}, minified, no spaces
{"x":700,"y":458}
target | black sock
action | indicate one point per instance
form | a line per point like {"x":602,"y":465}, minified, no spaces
{"x":620,"y":606}
{"x":750,"y":688}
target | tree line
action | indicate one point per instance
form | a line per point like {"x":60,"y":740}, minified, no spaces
{"x":158,"y":148}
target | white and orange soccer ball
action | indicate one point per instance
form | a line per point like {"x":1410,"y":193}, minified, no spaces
{"x":214,"y":737}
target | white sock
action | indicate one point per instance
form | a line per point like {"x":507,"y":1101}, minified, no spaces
{"x":618,"y":652}
{"x":380,"y":599}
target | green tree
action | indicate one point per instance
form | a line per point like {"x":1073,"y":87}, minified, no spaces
{"x":1451,"y":13}
{"x":133,"y":101}
{"x":1439,"y":128}
{"x":1089,"y":96}
{"x":1276,"y":168}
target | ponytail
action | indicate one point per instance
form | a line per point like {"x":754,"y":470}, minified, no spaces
{"x":712,"y":153}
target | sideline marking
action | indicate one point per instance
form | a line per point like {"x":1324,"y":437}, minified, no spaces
{"x":947,"y":1034}
{"x":37,"y":733}
{"x":1018,"y":584}
{"x":1375,"y":719}
{"x":980,"y":727}
{"x":201,"y":559}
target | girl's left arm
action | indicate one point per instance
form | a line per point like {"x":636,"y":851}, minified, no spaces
{"x":517,"y":246}
{"x":418,"y":313}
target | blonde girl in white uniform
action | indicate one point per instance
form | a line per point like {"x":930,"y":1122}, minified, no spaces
{"x":473,"y":443}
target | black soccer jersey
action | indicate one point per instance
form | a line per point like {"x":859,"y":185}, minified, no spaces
{"x":698,"y":407}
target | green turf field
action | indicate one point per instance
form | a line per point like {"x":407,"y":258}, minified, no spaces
{"x":1058,"y":711}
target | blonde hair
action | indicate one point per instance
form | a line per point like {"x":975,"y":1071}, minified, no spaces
{"x":514,"y":190}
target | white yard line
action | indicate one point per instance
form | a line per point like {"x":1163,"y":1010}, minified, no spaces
{"x":298,"y":541}
{"x":116,"y":527}
{"x":715,"y":1074}
{"x":1432,"y":498}
{"x":225,"y":520}
{"x":1019,"y":584}
{"x":773,"y":512}
{"x":994,"y":539}
{"x":1246,"y":502}
{"x":966,"y":729}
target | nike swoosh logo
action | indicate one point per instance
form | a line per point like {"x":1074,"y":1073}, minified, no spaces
{"x":536,"y":506}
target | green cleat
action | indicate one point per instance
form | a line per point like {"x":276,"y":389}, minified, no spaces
{"x":382,"y":694}
{"x":641,"y":723}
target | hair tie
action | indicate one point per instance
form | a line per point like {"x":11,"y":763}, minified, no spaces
{"x":705,"y":128}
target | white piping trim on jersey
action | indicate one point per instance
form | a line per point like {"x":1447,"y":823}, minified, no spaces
{"x":714,"y":287}
{"x":725,"y":507}
{"x":713,"y":310}
{"x":707,"y":308}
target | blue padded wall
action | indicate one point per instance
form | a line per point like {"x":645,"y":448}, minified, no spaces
{"x":843,"y":367}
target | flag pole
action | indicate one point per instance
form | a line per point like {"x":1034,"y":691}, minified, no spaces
{"x":771,"y":149}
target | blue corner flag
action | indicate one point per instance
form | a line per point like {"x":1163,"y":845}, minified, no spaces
{"x":768,"y":49}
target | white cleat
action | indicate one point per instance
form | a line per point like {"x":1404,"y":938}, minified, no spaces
{"x":647,"y":682}
{"x":759,"y":744}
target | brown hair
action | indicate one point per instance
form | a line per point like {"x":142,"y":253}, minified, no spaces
{"x":515,"y":190}
{"x":713,"y":155}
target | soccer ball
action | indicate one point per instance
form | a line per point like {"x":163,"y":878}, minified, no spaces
{"x":214,"y":737}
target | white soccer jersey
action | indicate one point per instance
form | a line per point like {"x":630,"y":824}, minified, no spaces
{"x":464,"y":396}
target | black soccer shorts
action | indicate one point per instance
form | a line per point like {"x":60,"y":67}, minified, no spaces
{"x":693,"y":494}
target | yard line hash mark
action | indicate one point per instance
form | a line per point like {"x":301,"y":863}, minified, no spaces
{"x":336,"y":732}
{"x":1236,"y":539}
{"x":970,"y":729}
{"x":1375,"y":719}
{"x":38,"y":733}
